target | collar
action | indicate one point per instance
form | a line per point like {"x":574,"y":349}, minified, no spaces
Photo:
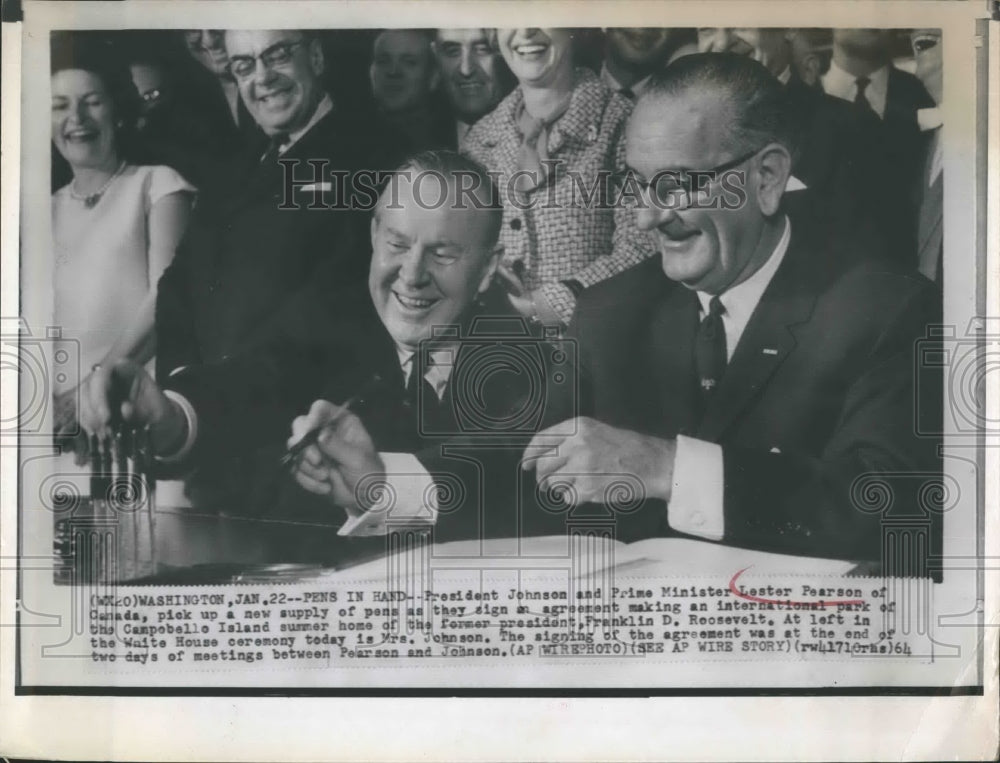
{"x":843,"y":85}
{"x":442,"y":361}
{"x":324,"y":107}
{"x":582,"y":117}
{"x":786,"y":75}
{"x":637,"y":88}
{"x":741,"y":300}
{"x":461,"y":130}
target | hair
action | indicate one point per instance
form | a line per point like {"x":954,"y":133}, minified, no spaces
{"x":96,"y":54}
{"x":428,"y":35}
{"x":755,"y":97}
{"x":451,"y":164}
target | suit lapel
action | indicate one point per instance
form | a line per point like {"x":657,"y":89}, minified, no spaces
{"x":673,"y":365}
{"x":765,"y":344}
{"x":263,"y":180}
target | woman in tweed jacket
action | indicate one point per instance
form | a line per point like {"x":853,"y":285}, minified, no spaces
{"x":555,"y":143}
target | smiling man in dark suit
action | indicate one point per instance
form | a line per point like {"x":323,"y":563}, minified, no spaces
{"x":251,"y":245}
{"x":248,"y":248}
{"x":756,"y":369}
{"x":424,"y":359}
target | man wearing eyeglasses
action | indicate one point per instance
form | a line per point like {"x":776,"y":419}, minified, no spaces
{"x":758,"y":368}
{"x":256,"y":238}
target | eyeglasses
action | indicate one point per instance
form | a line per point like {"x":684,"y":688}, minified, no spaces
{"x":674,"y":189}
{"x":277,"y":55}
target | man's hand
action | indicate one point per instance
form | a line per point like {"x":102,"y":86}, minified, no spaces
{"x":125,"y":391}
{"x":343,"y":462}
{"x":589,"y":459}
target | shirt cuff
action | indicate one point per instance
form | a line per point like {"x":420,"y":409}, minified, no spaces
{"x":408,"y":498}
{"x":192,"y":429}
{"x":560,"y":298}
{"x":696,"y":501}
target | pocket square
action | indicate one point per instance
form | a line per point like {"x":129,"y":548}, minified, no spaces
{"x":315,"y":187}
{"x":775,"y":450}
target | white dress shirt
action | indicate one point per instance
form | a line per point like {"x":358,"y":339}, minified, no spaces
{"x":929,"y":120}
{"x":697,"y":499}
{"x":409,"y":482}
{"x":324,"y":107}
{"x":839,"y":83}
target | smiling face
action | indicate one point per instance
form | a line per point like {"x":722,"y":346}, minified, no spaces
{"x":639,"y":47}
{"x":427,"y":265}
{"x":537,"y":57}
{"x":83,"y":119}
{"x":705,"y":249}
{"x":402,"y":71}
{"x":469,"y":67}
{"x":281,"y":97}
{"x":208,"y":48}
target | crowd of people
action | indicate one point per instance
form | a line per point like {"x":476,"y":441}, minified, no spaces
{"x":743,"y":362}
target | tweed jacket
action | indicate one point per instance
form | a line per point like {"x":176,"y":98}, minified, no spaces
{"x":562,"y":234}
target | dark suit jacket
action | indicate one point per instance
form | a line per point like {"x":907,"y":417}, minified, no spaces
{"x":471,"y":441}
{"x":837,"y":156}
{"x":819,"y":391}
{"x":898,"y":149}
{"x":243,"y":256}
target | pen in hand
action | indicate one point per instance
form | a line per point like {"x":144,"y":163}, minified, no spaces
{"x":310,"y":437}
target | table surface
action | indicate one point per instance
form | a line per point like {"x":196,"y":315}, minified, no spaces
{"x":196,"y":547}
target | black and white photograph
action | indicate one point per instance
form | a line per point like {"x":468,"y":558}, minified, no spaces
{"x":356,"y":353}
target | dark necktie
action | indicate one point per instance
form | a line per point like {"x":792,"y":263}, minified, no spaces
{"x":627,"y":92}
{"x":274,"y":146}
{"x":710,"y":349}
{"x":420,"y":395}
{"x":861,"y":99}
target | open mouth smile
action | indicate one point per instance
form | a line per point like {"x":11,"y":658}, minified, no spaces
{"x":81,"y":134}
{"x":531,"y":50}
{"x":414,"y":303}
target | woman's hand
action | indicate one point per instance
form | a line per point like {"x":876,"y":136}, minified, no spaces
{"x":533,"y":305}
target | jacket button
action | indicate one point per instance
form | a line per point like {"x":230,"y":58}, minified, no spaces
{"x":515,"y":224}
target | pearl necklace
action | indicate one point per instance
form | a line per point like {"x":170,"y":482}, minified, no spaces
{"x":90,"y":200}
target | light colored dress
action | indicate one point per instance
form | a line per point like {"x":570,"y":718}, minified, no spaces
{"x":102,"y":259}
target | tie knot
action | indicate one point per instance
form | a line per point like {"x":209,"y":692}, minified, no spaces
{"x":863,"y":83}
{"x":715,"y":307}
